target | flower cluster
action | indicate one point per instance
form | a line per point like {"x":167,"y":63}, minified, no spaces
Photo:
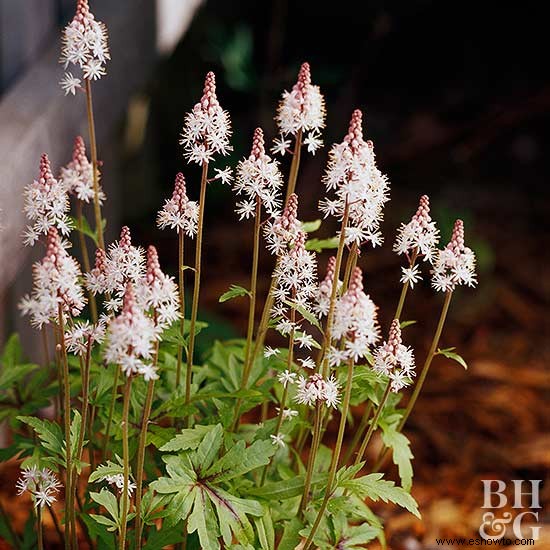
{"x":415,"y":239}
{"x":324,"y":290}
{"x":301,"y":110}
{"x":281,"y":233}
{"x":56,"y":283}
{"x":207,"y":127}
{"x":356,"y":320}
{"x":84,"y":45}
{"x":394,"y":359}
{"x":46,"y":204}
{"x":77,"y":176}
{"x":42,"y":484}
{"x":360,"y":188}
{"x":82,"y":335}
{"x":179,"y":212}
{"x":131,"y":337}
{"x":295,"y":275}
{"x":315,"y":388}
{"x":158,"y":292}
{"x":122,"y":264}
{"x":455,"y":264}
{"x":117,"y":481}
{"x":258,"y":179}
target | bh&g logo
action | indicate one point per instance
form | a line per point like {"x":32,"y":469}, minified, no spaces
{"x":493,"y":527}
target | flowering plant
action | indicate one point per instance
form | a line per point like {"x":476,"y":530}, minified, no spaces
{"x":155,"y":445}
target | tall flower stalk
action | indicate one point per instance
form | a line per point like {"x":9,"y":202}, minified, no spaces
{"x":206,"y":132}
{"x":181,"y":214}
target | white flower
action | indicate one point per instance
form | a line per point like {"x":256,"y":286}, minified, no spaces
{"x":56,"y":283}
{"x":455,"y":264}
{"x":82,"y":335}
{"x":278,"y":440}
{"x":395,"y":360}
{"x":420,"y":235}
{"x":70,"y":84}
{"x":77,"y":176}
{"x":225,"y":175}
{"x":258,"y":178}
{"x":286,"y":377}
{"x":358,"y":183}
{"x":307,"y":363}
{"x":84,"y":45}
{"x":316,"y":388}
{"x":313,"y":142}
{"x":207,"y":127}
{"x":46,"y":204}
{"x":305,"y":340}
{"x":43,"y":485}
{"x":295,"y":275}
{"x":356,"y":319}
{"x":117,"y":481}
{"x":271,"y":352}
{"x":281,"y":146}
{"x":410,"y":275}
{"x":288,"y":414}
{"x":179,"y":212}
{"x":131,"y":337}
{"x":285,"y":229}
{"x":122,"y":263}
{"x":301,"y":109}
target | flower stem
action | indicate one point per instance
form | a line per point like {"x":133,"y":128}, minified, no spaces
{"x":141,"y":448}
{"x":182,"y":305}
{"x":196,"y":286}
{"x":248,"y":361}
{"x":95,"y":169}
{"x":311,"y":458}
{"x":358,"y":433}
{"x":126,"y":462}
{"x":372,"y":427}
{"x":141,"y":459}
{"x":284,"y":397}
{"x":323,"y":356}
{"x":55,"y":523}
{"x":335,"y":456}
{"x":40,"y":534}
{"x":69,"y":509}
{"x":429,"y":358}
{"x":350,"y":265}
{"x":422,"y":378}
{"x":405,"y":287}
{"x":295,"y":166}
{"x":114,"y":395}
{"x":85,"y":257}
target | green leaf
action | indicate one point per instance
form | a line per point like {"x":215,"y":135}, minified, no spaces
{"x":287,"y":488}
{"x":404,"y":324}
{"x":102,"y":471}
{"x":12,"y":352}
{"x":265,"y":530}
{"x":402,"y":455}
{"x":106,"y":499}
{"x":318,"y":245}
{"x":15,"y":374}
{"x":188,"y":439}
{"x":449,"y":353}
{"x":374,"y":487}
{"x":233,"y":292}
{"x":240,"y":460}
{"x":203,"y":520}
{"x":49,"y":433}
{"x":306,"y":314}
{"x":208,"y":449}
{"x":159,"y":539}
{"x":85,"y":227}
{"x":310,"y":227}
{"x":291,"y":536}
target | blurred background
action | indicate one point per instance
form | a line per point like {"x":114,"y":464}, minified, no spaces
{"x":457,"y":101}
